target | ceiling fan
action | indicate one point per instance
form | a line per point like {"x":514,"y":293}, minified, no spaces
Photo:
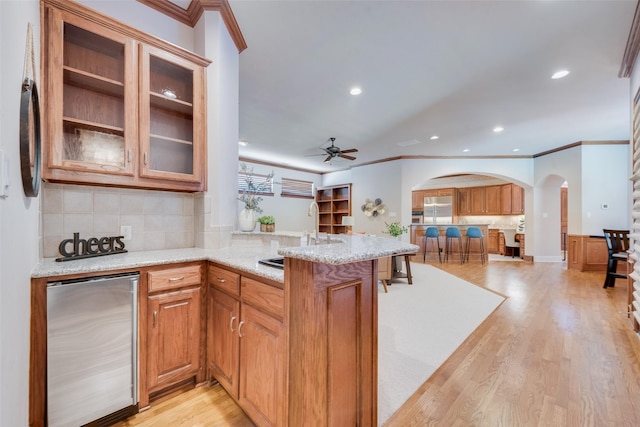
{"x":334,"y":151}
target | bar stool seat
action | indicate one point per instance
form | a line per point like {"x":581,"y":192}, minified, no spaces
{"x":474,"y":233}
{"x":431,"y":233}
{"x":450,"y":234}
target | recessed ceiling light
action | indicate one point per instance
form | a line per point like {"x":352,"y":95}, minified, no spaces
{"x":516,"y":149}
{"x":466,"y":150}
{"x":434,"y":137}
{"x":355,"y":91}
{"x":498,"y":129}
{"x":560,"y":74}
{"x":243,"y":143}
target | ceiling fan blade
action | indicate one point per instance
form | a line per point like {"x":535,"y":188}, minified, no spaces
{"x":328,"y":159}
{"x":346,"y":157}
{"x":350,"y":150}
{"x":312,"y":155}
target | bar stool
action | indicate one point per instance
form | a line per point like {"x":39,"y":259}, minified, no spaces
{"x":474,"y":233}
{"x":450,"y":234}
{"x":431,"y":233}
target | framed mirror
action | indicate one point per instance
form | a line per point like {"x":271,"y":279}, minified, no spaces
{"x":30,"y":138}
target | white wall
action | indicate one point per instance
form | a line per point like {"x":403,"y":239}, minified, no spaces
{"x":290,"y":213}
{"x":605,"y":181}
{"x":19,"y":220}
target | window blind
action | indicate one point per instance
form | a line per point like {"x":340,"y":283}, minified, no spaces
{"x":296,"y":188}
{"x":258,"y":184}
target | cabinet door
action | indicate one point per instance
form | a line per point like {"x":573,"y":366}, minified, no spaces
{"x":91,"y":95}
{"x":477,"y":196}
{"x":174,"y":337}
{"x":492,"y":242}
{"x":262,"y":367}
{"x":492,"y":200}
{"x":517,"y":200}
{"x":464,"y":201}
{"x":417,"y":201}
{"x":171,"y":117}
{"x":222,"y":339}
{"x":506,"y":199}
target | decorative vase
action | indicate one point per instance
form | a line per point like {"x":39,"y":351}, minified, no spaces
{"x":246,"y":220}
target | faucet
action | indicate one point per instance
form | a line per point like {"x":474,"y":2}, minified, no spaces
{"x":317,"y":219}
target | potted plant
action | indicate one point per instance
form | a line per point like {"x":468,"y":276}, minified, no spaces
{"x":250,"y":195}
{"x":267,"y":223}
{"x":395,"y":229}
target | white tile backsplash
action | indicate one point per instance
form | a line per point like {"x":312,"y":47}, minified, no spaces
{"x":158,"y":220}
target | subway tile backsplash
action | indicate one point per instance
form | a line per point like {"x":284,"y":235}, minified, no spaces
{"x":158,"y":220}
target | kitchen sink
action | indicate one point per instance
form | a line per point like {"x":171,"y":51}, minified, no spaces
{"x":277,"y":262}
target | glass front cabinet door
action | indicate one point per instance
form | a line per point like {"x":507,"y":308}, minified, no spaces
{"x":89,"y":127}
{"x":121,"y":109}
{"x":171,"y":93}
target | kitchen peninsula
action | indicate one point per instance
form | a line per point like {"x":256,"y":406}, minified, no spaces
{"x":292,"y":346}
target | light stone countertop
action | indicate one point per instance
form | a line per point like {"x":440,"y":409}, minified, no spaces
{"x":243,"y":257}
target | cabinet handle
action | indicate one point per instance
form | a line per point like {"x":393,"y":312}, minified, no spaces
{"x":219,"y":280}
{"x":155,"y":318}
{"x":145,"y":158}
{"x":129,"y":156}
{"x":175,"y":279}
{"x":240,"y":328}
{"x":231,"y":323}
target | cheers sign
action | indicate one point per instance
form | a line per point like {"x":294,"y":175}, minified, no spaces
{"x":77,"y":248}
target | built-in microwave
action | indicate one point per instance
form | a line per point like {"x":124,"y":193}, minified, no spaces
{"x":416,"y":217}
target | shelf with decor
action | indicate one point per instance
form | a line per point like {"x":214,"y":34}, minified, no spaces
{"x":333,"y":203}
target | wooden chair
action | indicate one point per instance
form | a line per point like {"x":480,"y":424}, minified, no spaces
{"x":617,"y":246}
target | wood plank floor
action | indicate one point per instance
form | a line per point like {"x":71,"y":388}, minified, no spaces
{"x":559,"y":351}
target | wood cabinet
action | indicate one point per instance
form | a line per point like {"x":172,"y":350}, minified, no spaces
{"x":464,"y":201}
{"x":512,"y":202}
{"x":173,"y":326}
{"x":417,"y":200}
{"x":246,"y":346}
{"x":493,"y":246}
{"x":121,"y":108}
{"x":333,"y":203}
{"x":485,"y":200}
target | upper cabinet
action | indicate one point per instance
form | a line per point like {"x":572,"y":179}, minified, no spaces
{"x":485,"y":200}
{"x":512,"y":199}
{"x":122,"y":108}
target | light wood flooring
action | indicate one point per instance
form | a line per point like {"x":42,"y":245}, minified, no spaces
{"x":559,"y":351}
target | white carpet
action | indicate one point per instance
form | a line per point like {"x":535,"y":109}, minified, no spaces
{"x":420,"y":326}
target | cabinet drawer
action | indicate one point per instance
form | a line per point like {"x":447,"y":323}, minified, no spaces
{"x":225,"y":280}
{"x":264,"y":297}
{"x":173,"y":278}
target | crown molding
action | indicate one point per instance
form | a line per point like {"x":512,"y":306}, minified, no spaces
{"x":633,"y":46}
{"x":193,"y":13}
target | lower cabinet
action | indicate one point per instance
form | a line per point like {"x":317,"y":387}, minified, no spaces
{"x":246,"y":344}
{"x":493,"y":241}
{"x":173,"y":326}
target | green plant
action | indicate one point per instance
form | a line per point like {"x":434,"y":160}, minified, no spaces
{"x":250,"y":192}
{"x":395,"y":229}
{"x":267,"y":219}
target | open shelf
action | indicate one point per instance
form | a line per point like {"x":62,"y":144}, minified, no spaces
{"x":334,"y":203}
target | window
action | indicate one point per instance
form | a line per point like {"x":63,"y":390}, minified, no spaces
{"x":296,"y":188}
{"x":255,"y":184}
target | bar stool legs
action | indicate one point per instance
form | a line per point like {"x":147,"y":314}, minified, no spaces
{"x":431,"y":233}
{"x":450,"y":234}
{"x":474,"y":233}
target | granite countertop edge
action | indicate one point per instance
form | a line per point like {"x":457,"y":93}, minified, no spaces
{"x":242,"y":257}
